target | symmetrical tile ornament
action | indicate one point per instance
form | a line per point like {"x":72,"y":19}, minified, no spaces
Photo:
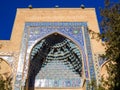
{"x":36,"y":31}
{"x":62,"y":63}
{"x":99,"y":61}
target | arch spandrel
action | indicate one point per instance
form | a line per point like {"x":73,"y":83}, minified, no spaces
{"x":53,"y":32}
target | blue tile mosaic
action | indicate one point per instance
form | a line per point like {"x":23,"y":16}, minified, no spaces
{"x":36,"y":31}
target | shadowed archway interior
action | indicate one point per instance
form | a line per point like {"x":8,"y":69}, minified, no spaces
{"x":55,"y":62}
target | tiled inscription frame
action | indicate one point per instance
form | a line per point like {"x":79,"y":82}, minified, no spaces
{"x":35,"y":31}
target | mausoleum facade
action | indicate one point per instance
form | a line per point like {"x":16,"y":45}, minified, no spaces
{"x":51,"y":48}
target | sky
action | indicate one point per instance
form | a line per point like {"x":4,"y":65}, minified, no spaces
{"x":8,"y":10}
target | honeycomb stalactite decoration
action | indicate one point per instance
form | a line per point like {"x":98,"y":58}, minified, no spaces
{"x":57,"y":61}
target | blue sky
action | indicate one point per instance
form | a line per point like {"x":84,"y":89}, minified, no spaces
{"x":8,"y":10}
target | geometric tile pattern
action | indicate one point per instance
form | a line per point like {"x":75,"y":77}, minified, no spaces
{"x":62,"y":65}
{"x":35,"y":31}
{"x":99,"y":61}
{"x":56,"y":74}
{"x":97,"y":67}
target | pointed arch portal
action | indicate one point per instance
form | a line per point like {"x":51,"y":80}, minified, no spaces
{"x":55,"y":62}
{"x":55,"y":54}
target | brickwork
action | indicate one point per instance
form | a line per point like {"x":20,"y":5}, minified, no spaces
{"x":49,"y":15}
